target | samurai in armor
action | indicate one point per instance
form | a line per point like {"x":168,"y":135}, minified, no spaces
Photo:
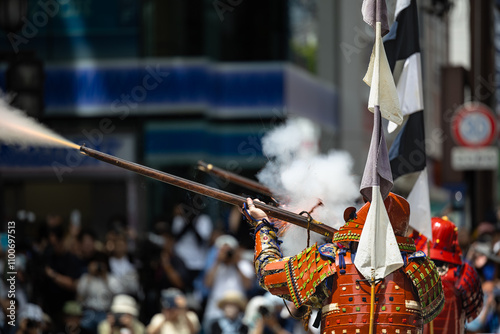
{"x":324,"y":276}
{"x":461,"y":283}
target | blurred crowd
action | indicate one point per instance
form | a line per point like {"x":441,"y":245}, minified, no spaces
{"x":482,"y":250}
{"x":185,"y":276}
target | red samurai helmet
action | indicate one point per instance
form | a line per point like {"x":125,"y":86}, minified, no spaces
{"x":444,"y":246}
{"x":398,"y":210}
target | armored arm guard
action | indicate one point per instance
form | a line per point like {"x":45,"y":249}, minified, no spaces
{"x":301,"y":278}
{"x":427,"y":283}
{"x":469,"y":285}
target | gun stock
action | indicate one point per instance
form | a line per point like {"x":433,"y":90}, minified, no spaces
{"x":204,"y":190}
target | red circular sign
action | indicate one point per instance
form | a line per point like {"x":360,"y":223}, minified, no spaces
{"x":474,"y":125}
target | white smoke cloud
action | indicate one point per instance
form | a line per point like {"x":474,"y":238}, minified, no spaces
{"x":300,"y":177}
{"x":16,"y":128}
{"x":297,"y":138}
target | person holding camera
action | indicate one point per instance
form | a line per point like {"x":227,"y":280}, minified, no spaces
{"x":229,"y":272}
{"x":30,"y":320}
{"x":122,"y":318}
{"x":72,"y":315}
{"x":95,"y":291}
{"x":264,"y":314}
{"x":175,"y":316}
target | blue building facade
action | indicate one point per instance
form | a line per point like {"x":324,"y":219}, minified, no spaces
{"x":118,"y":78}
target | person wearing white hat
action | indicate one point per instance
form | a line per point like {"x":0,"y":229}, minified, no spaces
{"x":95,"y":290}
{"x":228,"y":272}
{"x":233,"y":305}
{"x":122,"y":318}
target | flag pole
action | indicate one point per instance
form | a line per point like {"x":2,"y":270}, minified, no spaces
{"x":431,"y":324}
{"x":372,"y":302}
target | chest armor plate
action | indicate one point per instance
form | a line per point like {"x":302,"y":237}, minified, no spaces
{"x":347,"y":311}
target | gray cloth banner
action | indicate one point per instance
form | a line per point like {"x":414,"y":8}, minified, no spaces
{"x":377,"y":169}
{"x":374,"y":11}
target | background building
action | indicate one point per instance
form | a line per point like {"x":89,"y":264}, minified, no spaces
{"x":167,"y":83}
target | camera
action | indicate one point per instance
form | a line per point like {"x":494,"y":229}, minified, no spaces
{"x":99,"y":268}
{"x":118,"y":320}
{"x":264,"y":310}
{"x":30,"y":323}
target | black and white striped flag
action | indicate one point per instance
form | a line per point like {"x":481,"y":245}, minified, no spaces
{"x":407,"y":153}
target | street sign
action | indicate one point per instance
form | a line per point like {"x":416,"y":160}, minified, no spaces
{"x":466,"y":158}
{"x":474,"y":125}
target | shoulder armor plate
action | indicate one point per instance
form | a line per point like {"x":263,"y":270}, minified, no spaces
{"x":305,"y":271}
{"x":471,"y":291}
{"x":427,"y":282}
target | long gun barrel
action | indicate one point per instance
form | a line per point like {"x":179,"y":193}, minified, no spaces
{"x":204,"y":190}
{"x":235,"y":178}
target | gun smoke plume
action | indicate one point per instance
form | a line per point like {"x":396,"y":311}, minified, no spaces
{"x":300,"y":176}
{"x":16,"y":128}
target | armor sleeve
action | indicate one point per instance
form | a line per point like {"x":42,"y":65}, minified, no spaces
{"x":301,"y":278}
{"x":469,"y":285}
{"x":427,"y":282}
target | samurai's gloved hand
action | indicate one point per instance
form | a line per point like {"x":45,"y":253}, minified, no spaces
{"x":253,"y":214}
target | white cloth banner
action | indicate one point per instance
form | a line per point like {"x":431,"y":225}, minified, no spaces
{"x":379,"y":77}
{"x":420,"y":206}
{"x":378,"y":249}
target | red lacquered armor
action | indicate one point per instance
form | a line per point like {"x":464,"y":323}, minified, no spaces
{"x":461,"y":283}
{"x":397,"y":305}
{"x":451,"y":320}
{"x":324,"y":277}
{"x":469,"y":285}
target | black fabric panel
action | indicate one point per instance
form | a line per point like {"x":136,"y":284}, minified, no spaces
{"x":407,"y":153}
{"x":403,"y":39}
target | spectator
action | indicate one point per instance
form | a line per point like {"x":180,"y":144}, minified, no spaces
{"x":233,"y":305}
{"x":72,"y":312}
{"x":21,"y":286}
{"x":122,"y":318}
{"x":30,"y":320}
{"x":192,"y":233}
{"x":480,"y":253}
{"x":4,"y":304}
{"x":175,"y":317}
{"x":122,"y":268}
{"x":116,"y":226}
{"x":263,"y":315}
{"x":96,"y":290}
{"x":488,"y":319}
{"x":86,"y":246}
{"x":152,"y":269}
{"x":292,"y":319}
{"x":228,"y":272}
{"x":71,"y":239}
{"x":47,"y":324}
{"x":61,"y":271}
{"x":238,"y":228}
{"x":172,"y":271}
